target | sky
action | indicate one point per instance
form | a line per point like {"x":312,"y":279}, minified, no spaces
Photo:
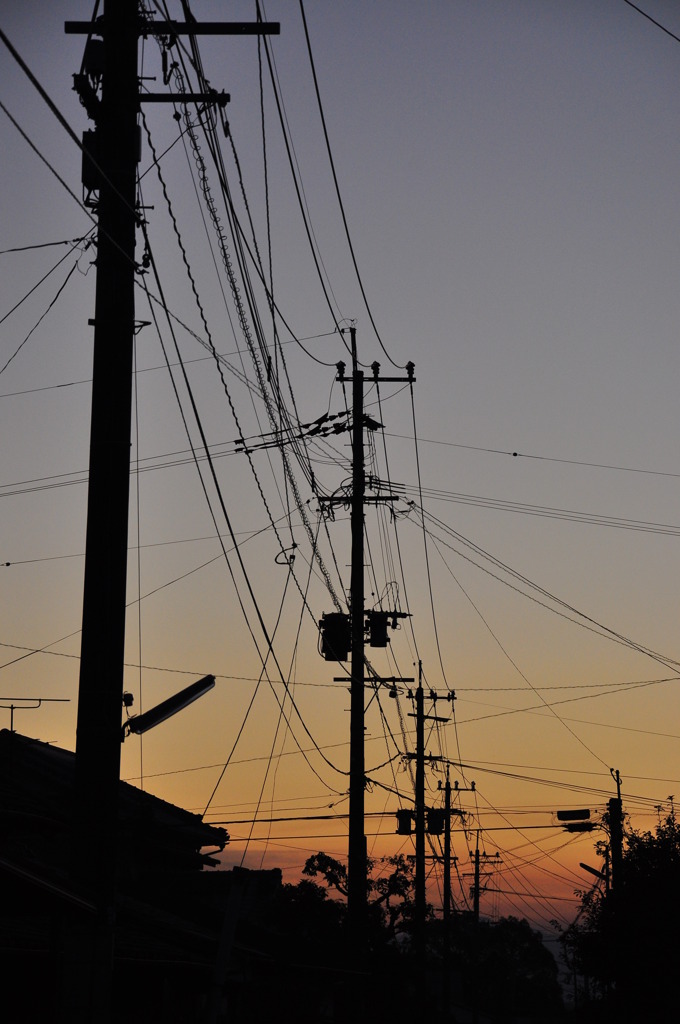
{"x":508,"y":176}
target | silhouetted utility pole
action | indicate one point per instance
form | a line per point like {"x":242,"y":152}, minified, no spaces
{"x":616,"y":833}
{"x":420,"y":809}
{"x":450,"y":812}
{"x":446,"y":905}
{"x":475,"y":891}
{"x":478,"y":859}
{"x":110,"y":160}
{"x":446,"y":908}
{"x":356,"y":867}
{"x":622,"y":981}
{"x":103,"y":633}
{"x":357,"y":883}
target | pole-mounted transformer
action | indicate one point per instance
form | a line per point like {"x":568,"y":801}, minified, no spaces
{"x":436,"y":820}
{"x":404,"y":822}
{"x":336,"y":636}
{"x":376,"y":625}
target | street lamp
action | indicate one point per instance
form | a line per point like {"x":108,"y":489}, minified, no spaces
{"x":139,"y":724}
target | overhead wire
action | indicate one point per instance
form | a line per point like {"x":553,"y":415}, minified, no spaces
{"x":281,"y":718}
{"x":293,"y":702}
{"x":337,"y":189}
{"x":41,"y":318}
{"x":425,"y":545}
{"x":542,"y":511}
{"x":540,"y":458}
{"x":582,"y":619}
{"x":299,"y":193}
{"x":247,"y":714}
{"x":239,"y":558}
{"x":38,"y":87}
{"x":74,"y":245}
{"x":544,"y":703}
{"x":247,"y":335}
{"x":653,"y":20}
{"x":38,"y":245}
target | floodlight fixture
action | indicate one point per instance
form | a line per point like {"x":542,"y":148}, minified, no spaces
{"x":139,"y":724}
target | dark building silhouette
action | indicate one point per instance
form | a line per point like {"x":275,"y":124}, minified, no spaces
{"x":168,"y":924}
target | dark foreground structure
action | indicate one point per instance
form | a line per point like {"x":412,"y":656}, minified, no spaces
{"x":194,"y":944}
{"x":165,"y":940}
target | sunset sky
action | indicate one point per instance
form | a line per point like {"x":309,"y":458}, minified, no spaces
{"x":509,"y":177}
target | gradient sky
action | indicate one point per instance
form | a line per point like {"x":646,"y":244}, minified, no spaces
{"x":509,"y":176}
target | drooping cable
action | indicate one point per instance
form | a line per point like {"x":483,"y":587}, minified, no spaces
{"x":232,"y":535}
{"x":247,"y":714}
{"x":42,"y":317}
{"x":337,"y":190}
{"x":582,"y":619}
{"x":425,"y":545}
{"x":256,"y":362}
{"x":74,"y":245}
{"x":544,"y":703}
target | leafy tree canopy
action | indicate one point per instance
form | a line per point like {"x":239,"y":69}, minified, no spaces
{"x":625,"y":943}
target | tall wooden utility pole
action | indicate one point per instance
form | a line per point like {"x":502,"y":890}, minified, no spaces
{"x":112,"y":155}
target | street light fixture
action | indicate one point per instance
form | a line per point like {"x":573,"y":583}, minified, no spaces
{"x":139,"y":724}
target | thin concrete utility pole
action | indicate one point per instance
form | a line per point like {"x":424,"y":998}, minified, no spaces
{"x":357,"y":880}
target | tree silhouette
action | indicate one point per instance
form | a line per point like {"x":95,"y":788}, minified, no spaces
{"x":625,"y":943}
{"x":390,"y":893}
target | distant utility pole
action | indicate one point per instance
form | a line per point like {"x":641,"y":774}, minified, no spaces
{"x":478,"y":859}
{"x":420,"y":809}
{"x":110,"y":160}
{"x":615,"y":806}
{"x":622,"y":982}
{"x":449,"y":813}
{"x":475,"y":891}
{"x":446,"y":907}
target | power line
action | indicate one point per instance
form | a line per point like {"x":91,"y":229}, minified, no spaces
{"x":74,"y":245}
{"x":45,"y":160}
{"x":538,"y":458}
{"x":582,"y":619}
{"x":653,"y":20}
{"x":541,"y":511}
{"x":39,"y":245}
{"x":41,"y":318}
{"x":337,"y":189}
{"x":34,"y":81}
